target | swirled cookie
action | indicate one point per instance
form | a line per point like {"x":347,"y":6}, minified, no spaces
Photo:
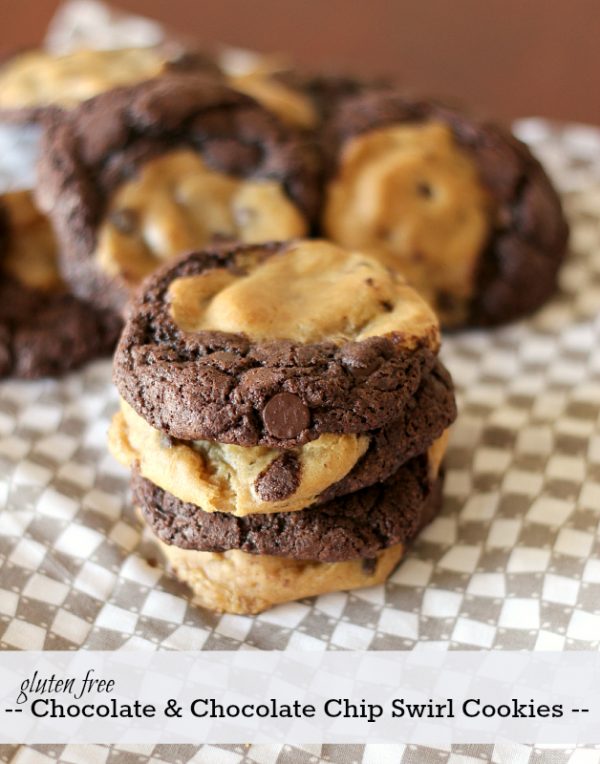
{"x":34,"y":81}
{"x":44,"y":330}
{"x":357,"y":526}
{"x":138,"y":175}
{"x":242,"y":480}
{"x":459,"y":206}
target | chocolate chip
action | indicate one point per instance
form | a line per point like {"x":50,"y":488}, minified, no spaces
{"x":280,"y":479}
{"x":124,"y":220}
{"x":424,"y":190}
{"x":369,"y":565}
{"x":285,"y":416}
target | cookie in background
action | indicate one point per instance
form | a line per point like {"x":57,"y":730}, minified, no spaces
{"x":44,"y":330}
{"x":458,"y":205}
{"x":138,"y":175}
{"x":36,"y":81}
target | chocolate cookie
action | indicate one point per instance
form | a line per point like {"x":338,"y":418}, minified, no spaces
{"x":358,"y":526}
{"x":327,"y":92}
{"x":140,"y":174}
{"x":333,"y":342}
{"x":34,"y":82}
{"x":251,"y":480}
{"x":44,"y":330}
{"x":302,"y":100}
{"x":459,"y":205}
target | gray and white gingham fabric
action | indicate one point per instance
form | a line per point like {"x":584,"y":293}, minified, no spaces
{"x":512,"y":562}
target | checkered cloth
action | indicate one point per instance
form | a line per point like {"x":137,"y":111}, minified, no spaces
{"x":512,"y":562}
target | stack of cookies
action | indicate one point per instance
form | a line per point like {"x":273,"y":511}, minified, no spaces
{"x":283,"y":409}
{"x":284,"y":413}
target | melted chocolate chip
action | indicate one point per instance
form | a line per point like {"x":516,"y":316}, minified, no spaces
{"x":280,"y":479}
{"x":369,"y":566}
{"x":285,"y":416}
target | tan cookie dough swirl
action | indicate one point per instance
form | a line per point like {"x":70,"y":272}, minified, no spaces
{"x":36,"y":78}
{"x":177,"y":204}
{"x":31,"y":257}
{"x":227,"y":478}
{"x":410,"y":195}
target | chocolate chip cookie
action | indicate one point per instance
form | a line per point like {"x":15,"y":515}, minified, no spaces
{"x":274,"y":345}
{"x":36,"y":81}
{"x":459,"y":205}
{"x":44,"y":330}
{"x":140,"y":174}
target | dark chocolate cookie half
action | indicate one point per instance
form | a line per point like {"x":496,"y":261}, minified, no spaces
{"x":274,"y":345}
{"x":141,"y":174}
{"x":248,"y":481}
{"x":352,"y":527}
{"x":459,"y":205}
{"x":44,"y":330}
{"x":424,"y":420}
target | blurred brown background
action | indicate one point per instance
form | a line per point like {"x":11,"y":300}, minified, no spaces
{"x":508,"y":58}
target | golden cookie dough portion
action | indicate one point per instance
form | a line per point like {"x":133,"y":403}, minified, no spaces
{"x":289,"y":105}
{"x":313,"y":291}
{"x":411,"y":196}
{"x":176,"y":204}
{"x":38,"y":78}
{"x":255,"y":74}
{"x":237,"y":582}
{"x":31,"y":255}
{"x":222,"y":478}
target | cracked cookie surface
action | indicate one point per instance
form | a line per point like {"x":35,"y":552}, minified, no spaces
{"x":367,"y":347}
